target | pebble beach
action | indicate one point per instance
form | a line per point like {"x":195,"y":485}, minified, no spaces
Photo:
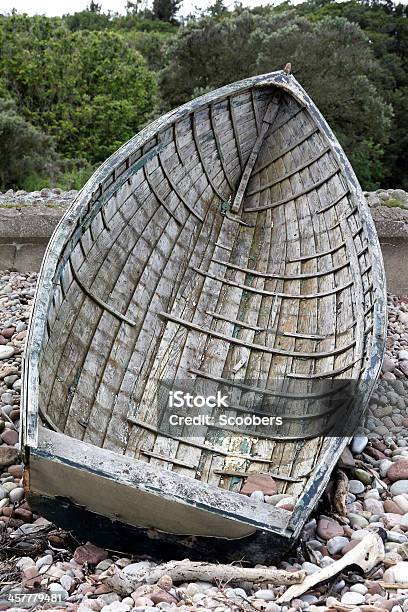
{"x":77,"y":576}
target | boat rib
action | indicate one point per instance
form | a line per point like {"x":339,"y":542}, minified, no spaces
{"x":297,"y":195}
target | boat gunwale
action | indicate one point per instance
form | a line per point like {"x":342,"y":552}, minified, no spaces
{"x":85,"y":200}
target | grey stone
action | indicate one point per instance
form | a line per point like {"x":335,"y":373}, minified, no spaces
{"x":57,"y":588}
{"x":66,"y":582}
{"x":16,"y":495}
{"x":310,"y":568}
{"x":240,"y":593}
{"x":395,"y":536}
{"x":403,"y":317}
{"x":44,"y":561}
{"x":273,"y":607}
{"x":257,"y":496}
{"x":6,"y":351}
{"x":357,"y":520}
{"x":265,"y":594}
{"x":388,"y":364}
{"x":355,"y":487}
{"x":359,"y":588}
{"x":354,"y":599}
{"x":310,"y":599}
{"x":399,"y":487}
{"x":137,"y":568}
{"x":335,"y":545}
{"x":404,"y":521}
{"x":374,"y":506}
{"x":358,"y":444}
{"x":403,"y":366}
{"x":397,"y":573}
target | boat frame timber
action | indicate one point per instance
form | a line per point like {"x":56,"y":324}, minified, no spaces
{"x":237,"y":527}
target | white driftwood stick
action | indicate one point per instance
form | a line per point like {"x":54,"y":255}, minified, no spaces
{"x":393,"y":585}
{"x":366,"y":555}
{"x":351,"y":607}
{"x":189,"y":571}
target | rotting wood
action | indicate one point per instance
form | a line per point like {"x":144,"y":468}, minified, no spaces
{"x":251,"y":345}
{"x":340,"y":493}
{"x":284,"y":177}
{"x":289,"y":288}
{"x":265,"y":390}
{"x":246,"y":474}
{"x":344,"y":264}
{"x":286,"y":150}
{"x":101,"y":303}
{"x":297,"y":195}
{"x":160,"y":199}
{"x":206,"y":171}
{"x":339,"y":198}
{"x":268,"y":119}
{"x":219,"y":147}
{"x":299,"y":296}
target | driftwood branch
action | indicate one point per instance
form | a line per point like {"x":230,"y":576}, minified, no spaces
{"x":393,"y":586}
{"x":183,"y":571}
{"x":366,"y":555}
{"x":189,"y":571}
{"x":352,"y":608}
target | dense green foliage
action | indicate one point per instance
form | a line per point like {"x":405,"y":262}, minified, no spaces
{"x":83,"y":84}
{"x":333,"y":58}
{"x":24,"y":151}
{"x":88,"y":89}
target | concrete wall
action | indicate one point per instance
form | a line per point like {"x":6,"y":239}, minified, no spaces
{"x":25,"y":231}
{"x":24,"y":235}
{"x":392,"y":229}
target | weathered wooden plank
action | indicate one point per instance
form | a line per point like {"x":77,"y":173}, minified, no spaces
{"x":300,"y":296}
{"x":294,"y":196}
{"x":267,"y":121}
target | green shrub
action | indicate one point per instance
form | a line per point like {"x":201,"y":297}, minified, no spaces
{"x":27,"y":156}
{"x":74,"y":178}
{"x":90,"y":90}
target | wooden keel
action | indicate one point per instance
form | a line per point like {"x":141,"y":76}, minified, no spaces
{"x":261,"y":547}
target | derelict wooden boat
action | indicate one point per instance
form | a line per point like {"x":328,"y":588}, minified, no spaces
{"x":227,"y":242}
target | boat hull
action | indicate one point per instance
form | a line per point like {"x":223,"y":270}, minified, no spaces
{"x":261,"y":547}
{"x":118,"y":502}
{"x":229,"y":243}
